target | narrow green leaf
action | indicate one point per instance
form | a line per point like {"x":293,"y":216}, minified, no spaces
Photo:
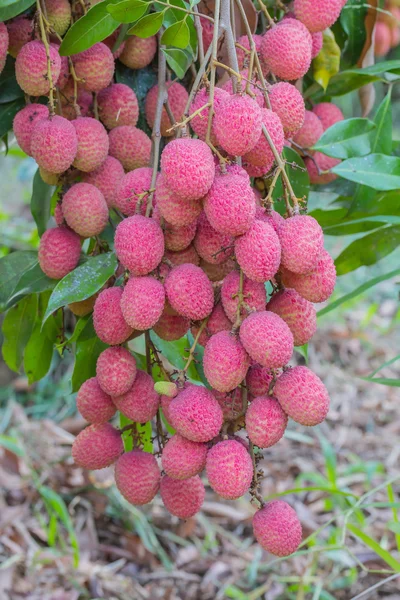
{"x":41,"y":202}
{"x":346,"y":139}
{"x":396,"y":523}
{"x":178,"y":60}
{"x":148,"y":25}
{"x":11,"y":444}
{"x":17,"y":328}
{"x":9,"y":88}
{"x":368,"y":250}
{"x":382,"y":136}
{"x":8,"y":110}
{"x":177,"y":35}
{"x":128,"y":11}
{"x":12,"y":268}
{"x":377,"y":171}
{"x":383,"y":381}
{"x":375,"y":547}
{"x":12,"y":8}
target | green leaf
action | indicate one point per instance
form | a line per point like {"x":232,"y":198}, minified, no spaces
{"x":93,"y":27}
{"x":326,"y":64}
{"x":375,"y":547}
{"x":382,"y":136}
{"x":128,"y":11}
{"x":82,"y":282}
{"x":175,"y":352}
{"x":178,"y":60}
{"x":298,"y":176}
{"x":352,"y":79}
{"x":11,"y":444}
{"x":377,"y":171}
{"x":31,"y":282}
{"x":346,"y":139}
{"x":8,"y":111}
{"x":368,"y":250}
{"x":41,"y":202}
{"x":12,"y":8}
{"x":9,"y":88}
{"x":12,"y":268}
{"x":17,"y":328}
{"x":177,"y":35}
{"x":352,"y":19}
{"x":148,"y":25}
{"x":383,"y":381}
{"x":88,"y":349}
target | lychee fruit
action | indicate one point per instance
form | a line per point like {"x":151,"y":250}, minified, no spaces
{"x":254,"y":87}
{"x":4,"y":41}
{"x":20,"y":32}
{"x":207,"y":33}
{"x":95,"y":67}
{"x":212,"y":246}
{"x":98,"y":446}
{"x":131,"y":146}
{"x":64,"y":75}
{"x":189,"y":292}
{"x":277,"y":528}
{"x":188,"y":255}
{"x":328,"y":113}
{"x":85,"y":209}
{"x":177,"y":99}
{"x":299,"y":314}
{"x":302,"y":241}
{"x":182,"y":459}
{"x":195,"y":414}
{"x":199,"y":123}
{"x":258,"y":252}
{"x":231,"y":403}
{"x":59,"y":252}
{"x":83,"y":307}
{"x":118,"y":105}
{"x":269,"y":216}
{"x":171,"y":327}
{"x":310,"y":132}
{"x":288,"y":104}
{"x":110,"y":42}
{"x":107,"y":178}
{"x":84,"y":101}
{"x":31,"y":68}
{"x":244,"y":57}
{"x":318,"y":168}
{"x":254,"y":295}
{"x":131,"y":191}
{"x":108,"y":321}
{"x":139,"y":244}
{"x":317,"y":43}
{"x":262,"y":154}
{"x":54,"y":144}
{"x":142,"y":302}
{"x":58,"y":14}
{"x":94,"y":404}
{"x":137,"y":476}
{"x":318,"y":284}
{"x":116,"y":370}
{"x":258,"y":380}
{"x":217,"y":272}
{"x":286,"y":50}
{"x":182,"y":499}
{"x":229,"y":469}
{"x":188,"y":168}
{"x":92,"y":144}
{"x":237,"y":124}
{"x":265,"y":421}
{"x":172,"y":208}
{"x":317,"y":15}
{"x":138,"y":52}
{"x":24,"y":123}
{"x":225,"y":362}
{"x":179,"y":238}
{"x":267,"y":339}
{"x":140,"y":403}
{"x":217,"y":321}
{"x":302,"y":396}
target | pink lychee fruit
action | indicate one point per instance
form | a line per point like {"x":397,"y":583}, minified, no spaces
{"x":31,"y":68}
{"x":140,"y":403}
{"x":4,"y":41}
{"x":318,"y":284}
{"x":85,"y":209}
{"x":110,"y":42}
{"x":20,"y":32}
{"x":199,"y":123}
{"x":182,"y":499}
{"x":317,"y":15}
{"x":142,"y":302}
{"x":244,"y":57}
{"x":131,"y":146}
{"x":189,"y":292}
{"x":310,"y":132}
{"x":267,"y":339}
{"x":171,"y":327}
{"x":258,"y":252}
{"x":237,"y":124}
{"x":182,"y":459}
{"x":229,"y":469}
{"x":288,"y":104}
{"x":137,"y":476}
{"x":254,"y":87}
{"x":195,"y":414}
{"x":107,"y":178}
{"x":317,"y":43}
{"x":328,"y":113}
{"x":58,"y":14}
{"x":207,"y":33}
{"x":225,"y":362}
{"x":286,"y":50}
{"x":138,"y":52}
{"x":254,"y":295}
{"x":231,"y":403}
{"x":178,"y":238}
{"x":258,"y":380}
{"x":24,"y":123}
{"x":139,"y":244}
{"x":382,"y":39}
{"x":92,"y":144}
{"x":116,"y":370}
{"x":188,"y":255}
{"x":98,"y":446}
{"x":54,"y":144}
{"x":262,"y":154}
{"x":277,"y":528}
{"x":132,"y":190}
{"x":108,"y":321}
{"x":217,"y":272}
{"x":94,"y":404}
{"x":218,"y":321}
{"x":118,"y":105}
{"x":59,"y":252}
{"x":177,"y":99}
{"x":172,"y":208}
{"x":212,"y":246}
{"x":84,"y":101}
{"x":302,"y":241}
{"x":299,"y":314}
{"x":269,"y":216}
{"x":265,"y":421}
{"x":95,"y":67}
{"x":318,"y":168}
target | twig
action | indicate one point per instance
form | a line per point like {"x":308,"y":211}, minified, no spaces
{"x":264,"y":10}
{"x":199,"y":31}
{"x":254,"y":487}
{"x":230,"y":41}
{"x":198,"y":79}
{"x":192,"y":350}
{"x":45,"y":41}
{"x":213,"y":70}
{"x":185,"y":10}
{"x":240,"y":297}
{"x":169,"y":112}
{"x":189,"y":118}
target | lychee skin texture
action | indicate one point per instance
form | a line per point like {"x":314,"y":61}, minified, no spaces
{"x":328,"y":113}
{"x":217,"y":272}
{"x":288,"y":104}
{"x":317,"y":15}
{"x":58,"y":14}
{"x":188,"y":255}
{"x":142,"y":302}
{"x":316,"y":286}
{"x":172,"y":208}
{"x":245,"y":56}
{"x":92,"y":144}
{"x":271,"y":217}
{"x":179,"y":238}
{"x":258,"y":380}
{"x":84,"y":101}
{"x":107,"y":177}
{"x":116,"y":370}
{"x":299,"y":314}
{"x":94,"y":404}
{"x":182,"y":459}
{"x":262,"y":154}
{"x":324,"y":164}
{"x":137,"y":477}
{"x":95,"y":66}
{"x":188,"y":168}
{"x":267,"y":339}
{"x":54,"y":144}
{"x":254,"y":87}
{"x":190,"y":292}
{"x":258,"y":252}
{"x":310,"y":132}
{"x":196,"y":414}
{"x":254,"y":294}
{"x":286,"y":51}
{"x":118,"y":105}
{"x":109,"y":323}
{"x":212,"y":246}
{"x":177,"y":99}
{"x":24,"y":123}
{"x":131,"y":146}
{"x":20,"y":32}
{"x":277,"y":528}
{"x":317,"y":43}
{"x":231,"y":404}
{"x":85,"y":209}
{"x":229,"y":469}
{"x":171,"y":327}
{"x":237,"y":124}
{"x":182,"y":499}
{"x":98,"y":446}
{"x":302,"y":241}
{"x":140,"y":403}
{"x":218,"y":321}
{"x":265,"y":421}
{"x":130,"y":188}
{"x":139,"y":244}
{"x":225,"y":362}
{"x":138,"y":52}
{"x":31,"y":68}
{"x":59,"y":252}
{"x":199,"y":123}
{"x":302,"y":396}
{"x":110,"y":43}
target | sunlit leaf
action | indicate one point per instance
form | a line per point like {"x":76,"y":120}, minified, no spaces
{"x":346,"y":139}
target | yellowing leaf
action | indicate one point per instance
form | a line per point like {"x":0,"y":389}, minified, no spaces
{"x":327,"y":63}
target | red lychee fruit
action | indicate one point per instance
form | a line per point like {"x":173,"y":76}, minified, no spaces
{"x":229,"y":469}
{"x":131,"y":190}
{"x":288,"y":104}
{"x":58,"y":14}
{"x":244,"y":57}
{"x":172,"y":208}
{"x":267,"y":339}
{"x":302,"y":396}
{"x":188,"y":255}
{"x":142,"y":302}
{"x":63,"y":77}
{"x":137,"y":477}
{"x":54,"y":144}
{"x":265,"y":421}
{"x":254,"y":87}
{"x":116,"y":370}
{"x":98,"y":446}
{"x":286,"y":50}
{"x":258,"y":380}
{"x":179,"y":238}
{"x":212,"y":246}
{"x":217,"y":272}
{"x":110,"y":42}
{"x":83,"y":307}
{"x":237,"y":124}
{"x":24,"y":123}
{"x":196,"y":414}
{"x":254,"y":294}
{"x":225,"y":362}
{"x":302,"y":241}
{"x":182,"y":459}
{"x":138,"y":52}
{"x":231,"y":404}
{"x":318,"y":284}
{"x":218,"y":321}
{"x":92,"y":144}
{"x":85,"y":209}
{"x":139,"y":244}
{"x":84,"y":101}
{"x":182,"y":499}
{"x":271,"y":217}
{"x":310,"y":132}
{"x":31,"y":68}
{"x":118,"y":105}
{"x":171,"y":327}
{"x":188,"y":168}
{"x":59,"y":252}
{"x":317,"y":43}
{"x":299,"y":314}
{"x":177,"y":99}
{"x":207,"y":33}
{"x":107,"y":177}
{"x":189,"y":292}
{"x":131,"y":146}
{"x":328,"y":113}
{"x":94,"y":404}
{"x":95,"y":67}
{"x":262,"y":154}
{"x":108,"y":321}
{"x":140,"y":403}
{"x":317,"y":15}
{"x":318,"y":168}
{"x":277,"y":528}
{"x":258,"y":252}
{"x":20,"y":32}
{"x":199,"y":123}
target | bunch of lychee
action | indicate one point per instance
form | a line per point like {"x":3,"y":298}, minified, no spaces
{"x":197,"y":246}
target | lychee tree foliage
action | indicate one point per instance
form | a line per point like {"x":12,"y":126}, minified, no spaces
{"x":178,"y":146}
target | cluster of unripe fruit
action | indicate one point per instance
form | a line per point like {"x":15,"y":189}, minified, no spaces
{"x":196,"y":253}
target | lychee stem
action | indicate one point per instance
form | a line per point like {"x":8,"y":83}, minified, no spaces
{"x":189,"y":118}
{"x":198,"y":79}
{"x":240,"y":297}
{"x":264,"y":10}
{"x":213,"y":70}
{"x":199,"y":31}
{"x":192,"y":349}
{"x":226,"y":25}
{"x":45,"y":41}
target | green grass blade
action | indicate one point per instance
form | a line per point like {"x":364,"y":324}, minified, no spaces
{"x":391,"y":499}
{"x":375,"y":546}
